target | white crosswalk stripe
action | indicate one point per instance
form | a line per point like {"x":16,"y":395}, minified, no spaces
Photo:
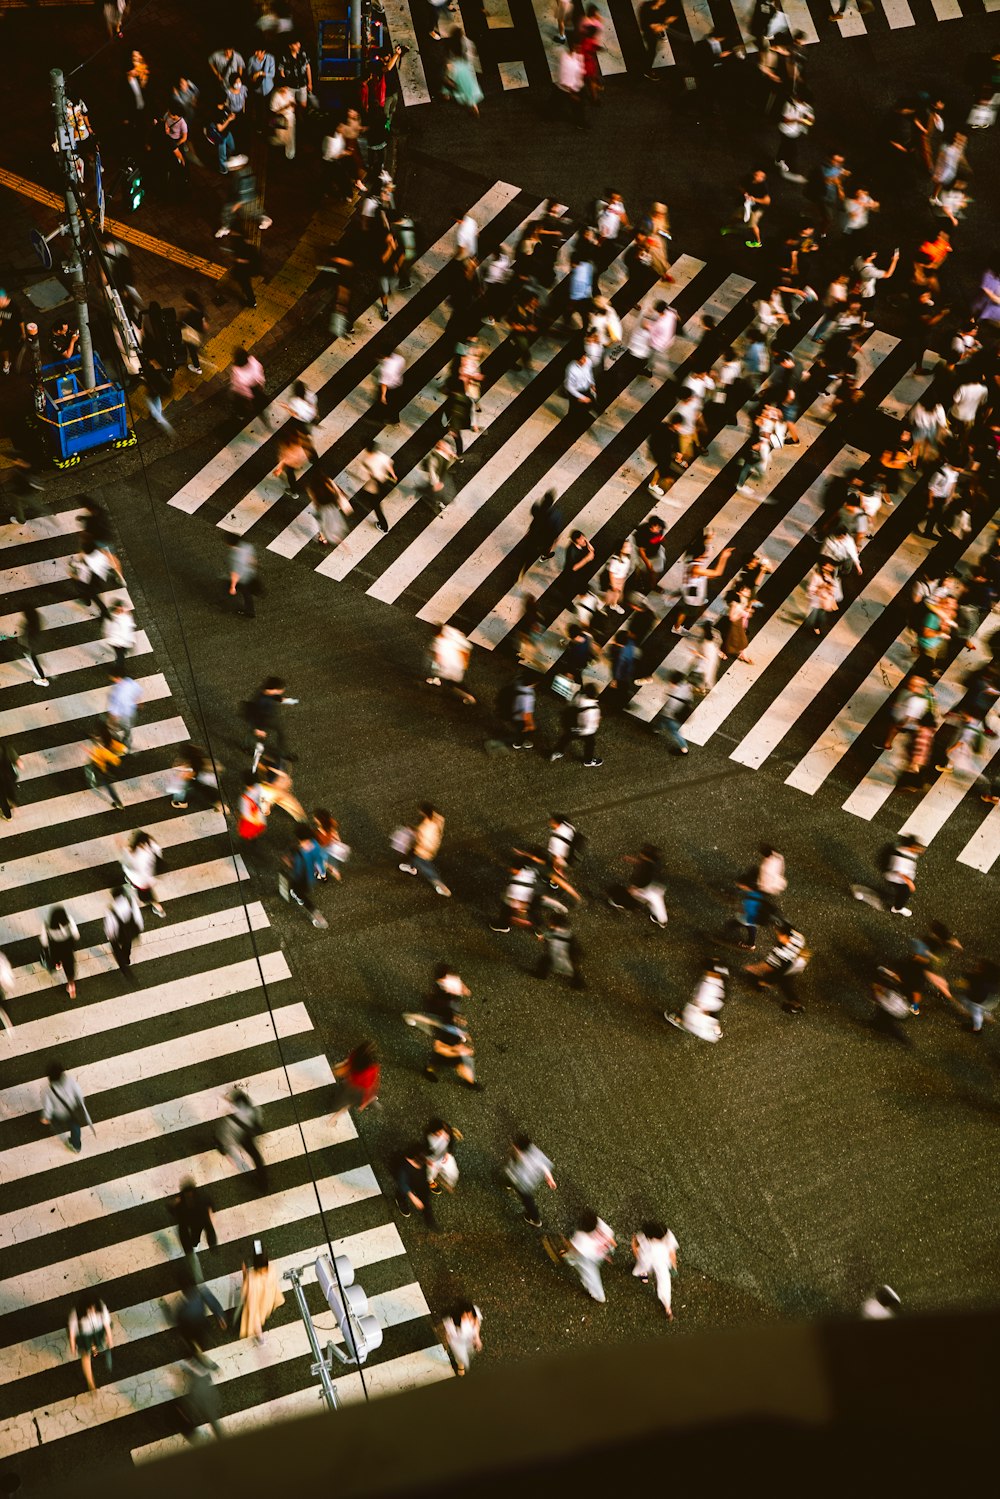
{"x":256,"y":433}
{"x":209,"y":1007}
{"x":622,"y":46}
{"x":443,"y":567}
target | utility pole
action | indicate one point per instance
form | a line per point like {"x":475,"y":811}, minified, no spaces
{"x":67,"y":159}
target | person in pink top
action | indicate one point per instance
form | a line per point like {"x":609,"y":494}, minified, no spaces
{"x":246,"y":381}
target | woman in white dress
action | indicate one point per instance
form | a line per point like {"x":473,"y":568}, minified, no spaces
{"x":655,"y":1250}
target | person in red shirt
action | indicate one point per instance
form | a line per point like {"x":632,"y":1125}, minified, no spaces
{"x":358,"y":1079}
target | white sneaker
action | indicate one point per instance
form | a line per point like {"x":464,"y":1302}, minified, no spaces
{"x":222,"y":233}
{"x":158,"y":910}
{"x":40,"y":681}
{"x":900,"y":911}
{"x":656,"y":490}
{"x":265,"y":222}
{"x":407,"y":868}
{"x":318,"y":919}
{"x":441,"y":890}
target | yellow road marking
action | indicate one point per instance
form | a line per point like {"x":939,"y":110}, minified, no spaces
{"x":128,"y":232}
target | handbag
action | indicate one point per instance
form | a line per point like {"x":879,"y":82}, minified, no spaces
{"x":75,"y":1112}
{"x":402,"y":840}
{"x":564,"y":687}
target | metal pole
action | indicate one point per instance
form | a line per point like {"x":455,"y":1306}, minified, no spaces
{"x":356,"y":7}
{"x":67,"y":158}
{"x":320,"y":1367}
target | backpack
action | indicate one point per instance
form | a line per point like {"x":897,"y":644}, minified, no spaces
{"x":578,"y":847}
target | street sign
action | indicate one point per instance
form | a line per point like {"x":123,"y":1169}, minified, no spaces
{"x":99,"y":185}
{"x":40,"y":245}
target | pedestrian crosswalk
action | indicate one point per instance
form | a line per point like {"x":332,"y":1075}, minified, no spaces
{"x":211,"y":1004}
{"x":518,"y":46}
{"x":464,"y":565}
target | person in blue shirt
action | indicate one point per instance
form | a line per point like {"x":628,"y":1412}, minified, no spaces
{"x":306,"y":865}
{"x":580,"y":290}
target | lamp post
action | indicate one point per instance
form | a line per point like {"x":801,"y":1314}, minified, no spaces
{"x":67,"y":160}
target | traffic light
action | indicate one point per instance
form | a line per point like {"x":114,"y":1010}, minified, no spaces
{"x":133,"y":190}
{"x":349,"y":1304}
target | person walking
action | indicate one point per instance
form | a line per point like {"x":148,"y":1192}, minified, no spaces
{"x":450,"y":654}
{"x":655,"y":1249}
{"x":581,"y":720}
{"x":646,"y":887}
{"x":260,"y":1295}
{"x":123,"y":926}
{"x":198,"y":1405}
{"x":561,"y":950}
{"x":124,"y":697}
{"x":244,"y":578}
{"x":590,"y":1247}
{"x":305,"y":865}
{"x":89,"y":1331}
{"x":426,"y":841}
{"x":118,"y":631}
{"x":10,"y":761}
{"x":412,"y":1187}
{"x":140,"y":863}
{"x":59,"y":939}
{"x":358,"y":1079}
{"x":378,"y":476}
{"x":95,"y":571}
{"x":463,"y":1334}
{"x":104,"y":756}
{"x":326,"y":830}
{"x":6,"y":990}
{"x":899,"y":871}
{"x":192,"y":1312}
{"x":64,"y":1107}
{"x":239,"y":1130}
{"x":441,"y":1019}
{"x":264,"y":718}
{"x":786,"y":960}
{"x":192,"y":1211}
{"x":29,"y":639}
{"x":442,"y":1168}
{"x":526,"y":1170}
{"x":700,"y":1016}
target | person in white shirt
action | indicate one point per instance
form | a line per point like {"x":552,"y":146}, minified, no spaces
{"x":378,"y":477}
{"x":527,"y":1168}
{"x":589,"y":1247}
{"x":463,"y":1334}
{"x":119,"y":631}
{"x":467,"y":238}
{"x":967,"y":401}
{"x":869,"y":274}
{"x":611,"y":218}
{"x":655,"y":1249}
{"x":303,"y":405}
{"x":841,"y":548}
{"x":390,"y":384}
{"x":941,"y":489}
{"x":123,"y":704}
{"x":580,"y":387}
{"x":700,"y":1016}
{"x":797,"y":119}
{"x":858,"y":208}
{"x":123,"y":924}
{"x":139,"y":863}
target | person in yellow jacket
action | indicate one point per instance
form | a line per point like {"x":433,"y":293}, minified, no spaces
{"x":261,"y":1294}
{"x":105,"y":756}
{"x":427,"y":835}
